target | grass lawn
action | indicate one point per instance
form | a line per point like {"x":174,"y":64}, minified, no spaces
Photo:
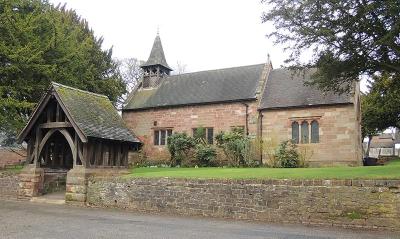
{"x":389,"y":171}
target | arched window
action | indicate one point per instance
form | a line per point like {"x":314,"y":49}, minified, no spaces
{"x":304,"y":133}
{"x":314,"y":132}
{"x":295,"y":132}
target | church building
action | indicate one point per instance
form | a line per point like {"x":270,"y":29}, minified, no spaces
{"x":270,"y":104}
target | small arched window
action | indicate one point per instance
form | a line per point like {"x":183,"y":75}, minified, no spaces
{"x":314,"y":132}
{"x":295,"y":132}
{"x":304,"y":133}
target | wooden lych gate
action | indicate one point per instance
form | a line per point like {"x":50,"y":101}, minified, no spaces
{"x":71,"y":128}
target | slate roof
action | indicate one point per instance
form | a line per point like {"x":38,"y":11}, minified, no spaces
{"x":94,"y":114}
{"x":222,"y":85}
{"x":157,"y":56}
{"x":284,"y":90}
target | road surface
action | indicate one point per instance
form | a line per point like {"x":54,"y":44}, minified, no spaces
{"x":38,"y":220}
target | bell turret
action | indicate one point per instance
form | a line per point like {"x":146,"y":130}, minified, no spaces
{"x":156,"y":66}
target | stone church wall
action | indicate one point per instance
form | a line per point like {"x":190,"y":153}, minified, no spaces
{"x":339,"y":128}
{"x":339,"y":133}
{"x":220,"y":116}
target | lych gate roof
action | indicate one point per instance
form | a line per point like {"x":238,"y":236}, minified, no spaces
{"x":222,"y":85}
{"x":157,"y":56}
{"x":285,"y":88}
{"x":93,"y":114}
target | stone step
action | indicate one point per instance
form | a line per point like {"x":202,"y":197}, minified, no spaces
{"x":52,"y":198}
{"x":47,"y":200}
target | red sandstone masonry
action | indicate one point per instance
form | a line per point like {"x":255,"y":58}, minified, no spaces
{"x":373,"y":204}
{"x":9,"y":157}
{"x":339,"y":132}
{"x":221,"y":117}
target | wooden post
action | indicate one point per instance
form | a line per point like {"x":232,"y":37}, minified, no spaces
{"x":85,"y":159}
{"x":126,"y":150}
{"x":98,"y":152}
{"x":111,"y":155}
{"x":89,"y":153}
{"x":75,"y":150}
{"x":29,"y":151}
{"x":37,"y":143}
{"x":58,"y":112}
{"x":105,"y":154}
{"x":118,"y":163}
{"x":46,"y":154}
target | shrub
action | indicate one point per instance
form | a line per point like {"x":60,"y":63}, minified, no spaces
{"x":179,"y":146}
{"x":237,"y":147}
{"x":205,"y":154}
{"x":305,"y":154}
{"x":287,"y":155}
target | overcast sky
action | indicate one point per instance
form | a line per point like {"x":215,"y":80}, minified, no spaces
{"x":206,"y":34}
{"x":203,"y":35}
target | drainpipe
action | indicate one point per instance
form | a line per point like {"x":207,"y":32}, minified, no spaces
{"x":247,"y":118}
{"x":261,"y":136}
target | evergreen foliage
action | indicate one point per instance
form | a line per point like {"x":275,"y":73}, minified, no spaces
{"x":287,"y":155}
{"x":40,"y":43}
{"x":237,"y":147}
{"x":180,"y":146}
{"x":349,"y":38}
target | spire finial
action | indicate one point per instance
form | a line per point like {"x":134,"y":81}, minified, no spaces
{"x":158,"y":30}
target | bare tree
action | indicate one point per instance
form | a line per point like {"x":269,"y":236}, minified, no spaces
{"x":130,"y":71}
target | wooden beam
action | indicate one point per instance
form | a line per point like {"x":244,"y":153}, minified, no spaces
{"x":83,"y":138}
{"x":99,"y":159}
{"x":80,"y":152}
{"x":105,"y":154}
{"x":58,"y":112}
{"x":75,"y":151}
{"x":111,"y":155}
{"x":118,"y":155}
{"x":85,"y":156}
{"x":52,"y":125}
{"x":125,"y":154}
{"x":29,"y":151}
{"x":37,"y":142}
{"x":35,"y":115}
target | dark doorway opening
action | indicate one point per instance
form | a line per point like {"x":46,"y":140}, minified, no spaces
{"x":56,"y":159}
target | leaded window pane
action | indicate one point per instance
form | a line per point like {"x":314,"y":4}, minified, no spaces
{"x":156,"y":137}
{"x":304,"y":133}
{"x":314,"y":132}
{"x":163,"y":134}
{"x":210,"y":135}
{"x":295,"y":132}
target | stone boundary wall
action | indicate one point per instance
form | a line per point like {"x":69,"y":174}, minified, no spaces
{"x":344,"y":203}
{"x":9,"y":157}
{"x":9,"y":183}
